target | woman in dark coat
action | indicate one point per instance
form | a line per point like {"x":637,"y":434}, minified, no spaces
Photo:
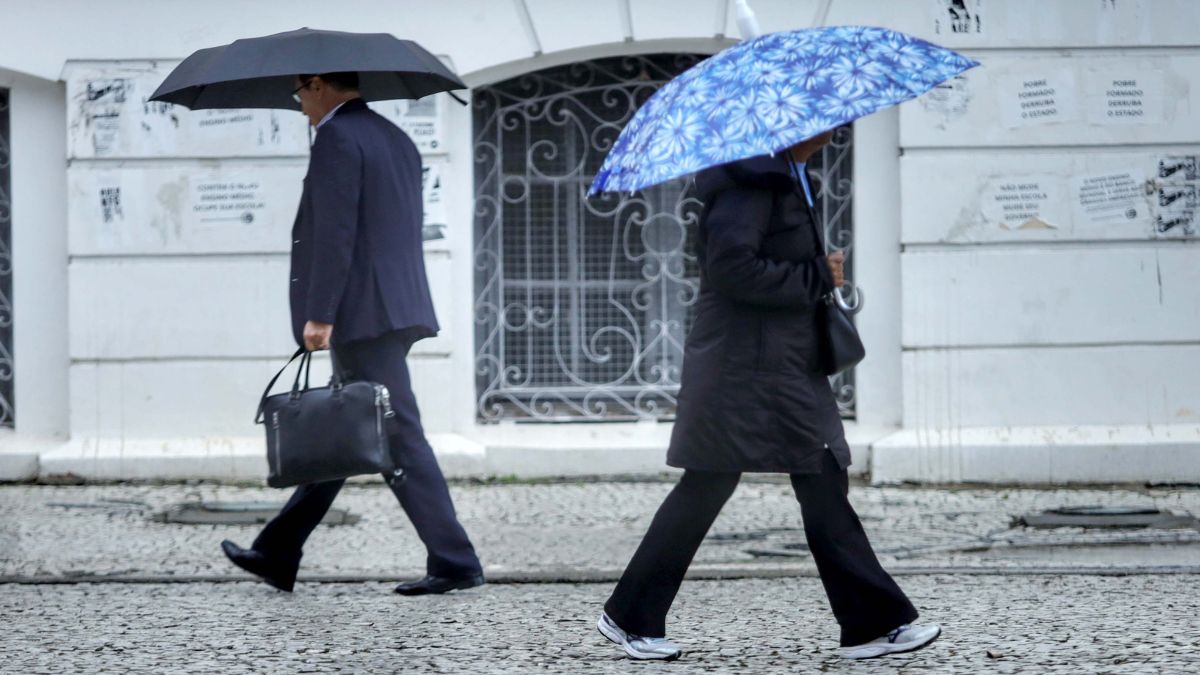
{"x":753,"y":398}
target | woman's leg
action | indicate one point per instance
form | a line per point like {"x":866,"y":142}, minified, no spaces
{"x":640,"y":602}
{"x":865,"y":599}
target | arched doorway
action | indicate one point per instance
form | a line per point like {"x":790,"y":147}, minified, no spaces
{"x":582,"y":305}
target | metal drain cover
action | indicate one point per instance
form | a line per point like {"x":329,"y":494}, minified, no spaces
{"x":239,"y":513}
{"x":1105,"y":516}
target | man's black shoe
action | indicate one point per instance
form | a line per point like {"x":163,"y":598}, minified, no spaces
{"x":281,"y":576}
{"x":432,"y":585}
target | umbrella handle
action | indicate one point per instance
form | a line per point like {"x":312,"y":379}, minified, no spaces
{"x":747,"y":22}
{"x":854,"y":305}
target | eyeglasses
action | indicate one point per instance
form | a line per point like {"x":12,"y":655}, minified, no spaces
{"x":296,"y":91}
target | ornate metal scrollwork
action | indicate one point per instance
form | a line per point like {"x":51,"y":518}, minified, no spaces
{"x":6,"y":269}
{"x":582,"y":305}
{"x":834,"y":168}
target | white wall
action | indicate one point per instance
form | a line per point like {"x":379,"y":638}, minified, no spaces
{"x":179,"y":227}
{"x":1048,"y":323}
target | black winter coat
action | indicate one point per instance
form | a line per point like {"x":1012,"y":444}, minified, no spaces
{"x":752,"y":394}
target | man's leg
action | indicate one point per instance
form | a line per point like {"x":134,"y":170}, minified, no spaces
{"x":283,"y":538}
{"x":423,"y":493}
{"x":275,"y":554}
{"x":864,"y":598}
{"x":642,"y":598}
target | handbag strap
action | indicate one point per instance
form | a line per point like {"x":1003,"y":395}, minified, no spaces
{"x":305,"y":369}
{"x":798,"y":188}
{"x":262,"y":402}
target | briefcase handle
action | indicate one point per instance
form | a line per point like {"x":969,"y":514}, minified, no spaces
{"x":305,"y":356}
{"x":306,"y":361}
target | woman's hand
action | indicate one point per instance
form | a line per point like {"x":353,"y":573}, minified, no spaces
{"x":837,"y":265}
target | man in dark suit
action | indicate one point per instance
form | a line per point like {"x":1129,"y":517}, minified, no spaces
{"x":358,"y":286}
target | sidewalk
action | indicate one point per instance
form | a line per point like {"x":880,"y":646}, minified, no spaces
{"x":994,"y":625}
{"x":95,"y":583}
{"x":577,"y":532}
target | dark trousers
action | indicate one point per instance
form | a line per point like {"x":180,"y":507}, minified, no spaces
{"x":423,"y":495}
{"x":866,"y":601}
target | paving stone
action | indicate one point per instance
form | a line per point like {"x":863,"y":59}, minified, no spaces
{"x":1069,"y":625}
{"x":530,"y":528}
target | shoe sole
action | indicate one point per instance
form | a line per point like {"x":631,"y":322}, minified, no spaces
{"x":616,"y":640}
{"x":884,"y":650}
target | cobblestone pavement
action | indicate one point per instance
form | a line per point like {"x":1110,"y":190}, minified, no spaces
{"x":55,"y":531}
{"x":1039,"y":624}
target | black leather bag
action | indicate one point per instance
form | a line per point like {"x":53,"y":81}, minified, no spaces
{"x":840,"y":346}
{"x":325,"y":433}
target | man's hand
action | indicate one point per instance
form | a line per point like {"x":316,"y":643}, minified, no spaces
{"x":837,"y":264}
{"x":316,"y":335}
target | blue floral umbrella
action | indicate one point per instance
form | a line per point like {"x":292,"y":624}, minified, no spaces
{"x":767,"y":94}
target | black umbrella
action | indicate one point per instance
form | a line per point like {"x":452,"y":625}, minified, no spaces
{"x":259,"y":72}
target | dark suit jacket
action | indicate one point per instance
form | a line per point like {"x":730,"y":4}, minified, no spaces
{"x":356,"y":245}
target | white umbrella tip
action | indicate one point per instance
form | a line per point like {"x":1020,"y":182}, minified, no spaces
{"x":747,"y":21}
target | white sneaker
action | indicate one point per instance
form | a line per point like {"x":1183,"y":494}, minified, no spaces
{"x":906,"y":638}
{"x":636,"y":646}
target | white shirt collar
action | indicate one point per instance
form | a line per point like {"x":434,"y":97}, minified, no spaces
{"x":329,"y":115}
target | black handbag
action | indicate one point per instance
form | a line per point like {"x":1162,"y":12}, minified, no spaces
{"x":326,"y":433}
{"x":840,"y":347}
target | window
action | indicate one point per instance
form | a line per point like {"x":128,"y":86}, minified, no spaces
{"x":582,"y":305}
{"x":6,"y":310}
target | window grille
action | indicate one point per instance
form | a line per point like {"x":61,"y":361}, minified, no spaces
{"x":7,"y":411}
{"x":582,"y":305}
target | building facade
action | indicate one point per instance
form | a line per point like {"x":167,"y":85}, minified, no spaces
{"x":1024,"y":237}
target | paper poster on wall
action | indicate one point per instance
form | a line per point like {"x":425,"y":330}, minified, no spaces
{"x":1026,"y":202}
{"x":158,"y":208}
{"x":435,"y":207}
{"x":958,"y":17}
{"x":1179,"y":167}
{"x":1035,"y":99}
{"x":226,"y":200}
{"x":421,"y":120}
{"x":1177,"y":199}
{"x":949,"y":100}
{"x":110,"y":115}
{"x":1126,"y":97}
{"x":1178,"y":207}
{"x":1104,"y":199}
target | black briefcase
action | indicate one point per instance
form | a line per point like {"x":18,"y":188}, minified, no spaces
{"x":326,"y":433}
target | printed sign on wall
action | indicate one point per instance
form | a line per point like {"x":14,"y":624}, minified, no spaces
{"x":1034,"y":99}
{"x":1110,"y":198}
{"x":435,"y":206}
{"x":1178,"y":196}
{"x":155,"y":210}
{"x":422,"y":120}
{"x":110,"y":115}
{"x":1025,"y":202}
{"x":958,"y":17}
{"x":1125,"y":96}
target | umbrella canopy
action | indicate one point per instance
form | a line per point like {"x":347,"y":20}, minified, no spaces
{"x":767,"y":94}
{"x":258,"y":72}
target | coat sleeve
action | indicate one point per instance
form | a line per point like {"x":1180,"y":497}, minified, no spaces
{"x":737,"y":222}
{"x":335,"y":181}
